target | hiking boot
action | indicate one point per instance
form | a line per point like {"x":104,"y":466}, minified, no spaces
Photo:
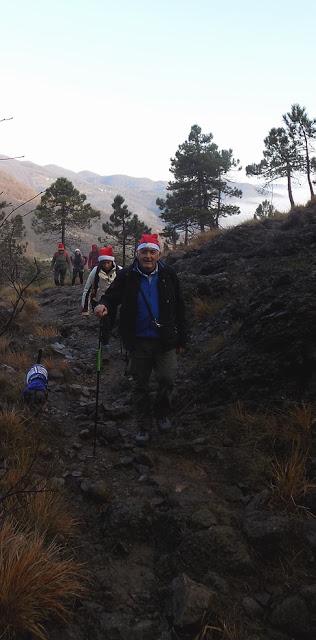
{"x":164,"y":424}
{"x":142,"y":438}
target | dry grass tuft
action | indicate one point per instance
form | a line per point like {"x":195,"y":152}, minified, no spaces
{"x":4,"y":343}
{"x":20,"y":461}
{"x":224,"y":630}
{"x":215,"y":344}
{"x":48,"y":513}
{"x":204,"y":238}
{"x":48,"y":331}
{"x":11,"y":424}
{"x":204,"y":309}
{"x":239,"y":412}
{"x":10,"y":391}
{"x":30,"y":308}
{"x":17,"y":359}
{"x":36,"y":584}
{"x":60,"y":364}
{"x":289,"y":478}
{"x":8,"y":294}
{"x":302,"y":416}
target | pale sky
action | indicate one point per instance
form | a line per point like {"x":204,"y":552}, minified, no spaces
{"x":114,"y":87}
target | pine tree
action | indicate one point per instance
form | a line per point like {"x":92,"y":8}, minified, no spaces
{"x":196,"y":198}
{"x":225,"y":163}
{"x":62,"y":207}
{"x":303,"y":131}
{"x":118,"y":225}
{"x":265,"y":210}
{"x":281,"y":159}
{"x":12,"y":247}
{"x":135,"y":229}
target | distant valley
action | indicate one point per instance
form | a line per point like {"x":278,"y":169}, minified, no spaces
{"x":20,"y":180}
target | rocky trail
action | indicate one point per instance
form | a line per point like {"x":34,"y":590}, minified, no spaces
{"x":132,"y":503}
{"x":183,"y":540}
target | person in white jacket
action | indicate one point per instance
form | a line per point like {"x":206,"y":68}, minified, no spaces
{"x":98,"y":281}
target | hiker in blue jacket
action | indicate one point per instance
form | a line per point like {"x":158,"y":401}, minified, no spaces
{"x":152,"y":328}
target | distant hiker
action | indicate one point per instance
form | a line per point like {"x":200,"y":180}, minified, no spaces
{"x":60,"y":263}
{"x":99,"y":280}
{"x":78,"y":264}
{"x":152,"y":328}
{"x":93,"y":257}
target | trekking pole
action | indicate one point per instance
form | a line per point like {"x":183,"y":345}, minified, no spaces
{"x":97,"y":386}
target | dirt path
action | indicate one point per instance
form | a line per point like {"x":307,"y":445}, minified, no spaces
{"x":138,"y":509}
{"x":132,"y":503}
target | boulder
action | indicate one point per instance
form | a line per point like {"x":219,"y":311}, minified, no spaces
{"x":190,"y":601}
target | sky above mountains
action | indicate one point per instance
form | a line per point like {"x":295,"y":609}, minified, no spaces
{"x":115,"y":87}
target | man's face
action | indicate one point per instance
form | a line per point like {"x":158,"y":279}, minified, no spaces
{"x":107,"y":265}
{"x":148,"y":259}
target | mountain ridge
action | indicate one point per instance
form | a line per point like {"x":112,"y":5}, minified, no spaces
{"x":140,"y":195}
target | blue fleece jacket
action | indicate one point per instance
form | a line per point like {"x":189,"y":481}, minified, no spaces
{"x":144,"y":324}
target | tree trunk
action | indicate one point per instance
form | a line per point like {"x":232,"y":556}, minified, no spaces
{"x":219,"y":200}
{"x":308,"y":167}
{"x":200,"y":201}
{"x":63,"y":224}
{"x":124,"y":241}
{"x":186,"y":234}
{"x":63,"y":231}
{"x":289,"y":186}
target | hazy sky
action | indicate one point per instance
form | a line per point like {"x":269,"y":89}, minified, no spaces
{"x":114,"y":87}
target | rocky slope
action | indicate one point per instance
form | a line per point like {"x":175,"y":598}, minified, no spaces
{"x":199,"y":536}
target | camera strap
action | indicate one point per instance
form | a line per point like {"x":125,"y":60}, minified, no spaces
{"x":149,"y":309}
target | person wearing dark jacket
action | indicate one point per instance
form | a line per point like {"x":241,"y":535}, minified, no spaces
{"x":78,"y":263}
{"x":60,"y":263}
{"x":152,"y":328}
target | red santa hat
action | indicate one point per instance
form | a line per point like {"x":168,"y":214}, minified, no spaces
{"x":106,"y":253}
{"x":60,"y":245}
{"x":149,"y":241}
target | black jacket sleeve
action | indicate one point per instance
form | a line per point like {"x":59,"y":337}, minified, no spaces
{"x":114,"y":294}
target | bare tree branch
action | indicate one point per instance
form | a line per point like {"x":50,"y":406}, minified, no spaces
{"x":21,"y":205}
{"x":5,"y":119}
{"x":13,"y":158}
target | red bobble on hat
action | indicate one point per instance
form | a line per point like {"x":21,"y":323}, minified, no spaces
{"x":60,"y":245}
{"x":149,"y":241}
{"x":106,"y":253}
